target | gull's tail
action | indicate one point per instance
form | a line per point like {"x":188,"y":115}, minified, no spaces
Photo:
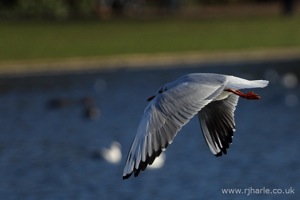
{"x":239,"y":83}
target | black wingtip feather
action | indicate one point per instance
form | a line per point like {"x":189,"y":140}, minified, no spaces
{"x":143,"y":165}
{"x":218,"y":154}
{"x":126,"y":176}
{"x":218,"y":117}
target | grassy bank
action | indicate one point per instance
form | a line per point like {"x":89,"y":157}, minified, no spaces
{"x":40,"y":40}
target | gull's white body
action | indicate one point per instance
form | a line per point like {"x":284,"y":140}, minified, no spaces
{"x":175,"y":104}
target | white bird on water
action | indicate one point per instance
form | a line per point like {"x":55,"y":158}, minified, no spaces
{"x":212,"y":96}
{"x":113,"y":154}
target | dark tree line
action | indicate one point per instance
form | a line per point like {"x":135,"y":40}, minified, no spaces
{"x":73,"y":9}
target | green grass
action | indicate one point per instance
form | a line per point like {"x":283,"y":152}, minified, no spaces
{"x":38,"y":40}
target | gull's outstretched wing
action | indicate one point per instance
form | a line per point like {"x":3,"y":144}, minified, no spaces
{"x":217,"y":123}
{"x":166,"y":114}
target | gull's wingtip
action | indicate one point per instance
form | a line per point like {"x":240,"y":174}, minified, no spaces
{"x":126,"y":176}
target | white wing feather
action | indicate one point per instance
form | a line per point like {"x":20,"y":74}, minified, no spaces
{"x":167,"y":113}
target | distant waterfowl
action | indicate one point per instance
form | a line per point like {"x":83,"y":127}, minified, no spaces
{"x":58,"y":103}
{"x":113,"y":154}
{"x":92,"y":113}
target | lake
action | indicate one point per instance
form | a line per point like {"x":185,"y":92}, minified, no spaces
{"x":53,"y":127}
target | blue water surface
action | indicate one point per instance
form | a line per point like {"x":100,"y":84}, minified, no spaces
{"x":48,"y":142}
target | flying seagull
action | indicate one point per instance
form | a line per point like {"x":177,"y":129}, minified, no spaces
{"x":212,"y":96}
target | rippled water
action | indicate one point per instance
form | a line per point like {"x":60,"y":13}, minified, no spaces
{"x":49,"y":139}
